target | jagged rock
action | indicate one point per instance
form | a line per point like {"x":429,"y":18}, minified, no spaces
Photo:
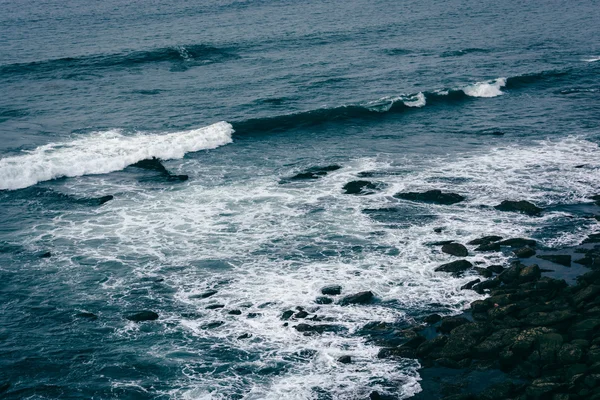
{"x":455,"y":249}
{"x":557,"y":259}
{"x":312,"y":173}
{"x":287,"y":314}
{"x":511,"y":274}
{"x":204,"y":295}
{"x":524,"y":252}
{"x":485,"y":240}
{"x":586,"y":293}
{"x":548,"y":318}
{"x":360,"y":187}
{"x":523,"y":342}
{"x":431,"y":196}
{"x":104,"y":199}
{"x":456,"y":268}
{"x":323,"y":300}
{"x":493,"y":345}
{"x":331,"y":290}
{"x":357,"y":298}
{"x":154,"y":164}
{"x":142,"y":316}
{"x":522,"y":206}
{"x":517,"y":242}
{"x":470,"y":284}
{"x":345,"y":359}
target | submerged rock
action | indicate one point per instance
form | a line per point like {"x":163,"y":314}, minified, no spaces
{"x":287,"y":315}
{"x":312,"y":173}
{"x":522,"y":206}
{"x":142,"y":316}
{"x":204,"y":295}
{"x":104,"y":199}
{"x":431,"y":196}
{"x":485,"y":240}
{"x":323,"y":300}
{"x":87,"y":315}
{"x":46,"y":255}
{"x":456,"y":268}
{"x":307,"y":328}
{"x":524,"y":252}
{"x":331,"y":290}
{"x":154,"y":164}
{"x":455,"y":249}
{"x":564,"y":260}
{"x":357,"y":298}
{"x":345,"y":359}
{"x":360,"y":187}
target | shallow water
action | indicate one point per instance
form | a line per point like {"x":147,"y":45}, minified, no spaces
{"x":486,"y":100}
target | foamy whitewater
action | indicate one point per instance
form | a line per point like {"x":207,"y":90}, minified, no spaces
{"x":104,"y":152}
{"x":485,"y":89}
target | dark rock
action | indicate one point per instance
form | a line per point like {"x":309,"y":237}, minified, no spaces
{"x":317,"y":328}
{"x":312,"y":173}
{"x":496,"y":269}
{"x":426,"y":348}
{"x":493,"y":345}
{"x":593,"y":238}
{"x":587,"y":293}
{"x":431,"y":196}
{"x":511,"y":274}
{"x":438,"y":229}
{"x":455,"y":249}
{"x":301,"y":314}
{"x":245,"y":336}
{"x":212,"y":325}
{"x":486,"y":273}
{"x":584,"y":329}
{"x":331,"y":290}
{"x":485,"y":240}
{"x":433,"y":318}
{"x":345,"y":359}
{"x":86,"y":315}
{"x":360,"y":187}
{"x":357,"y":298}
{"x":323,"y":300}
{"x":235,"y":312}
{"x":46,"y":255}
{"x":204,"y":295}
{"x":449,"y":323}
{"x":522,"y":206}
{"x":456,"y":268}
{"x":498,"y":391}
{"x":215,"y":306}
{"x":253,"y":315}
{"x":154,"y":164}
{"x":524,"y":252}
{"x":104,"y":199}
{"x":557,"y":259}
{"x":287,"y":314}
{"x":488,"y":247}
{"x":4,"y":386}
{"x":523,"y":342}
{"x":440,"y":243}
{"x":570,"y":353}
{"x":142,"y":316}
{"x":542,"y":389}
{"x":470,"y":284}
{"x":530,"y":273}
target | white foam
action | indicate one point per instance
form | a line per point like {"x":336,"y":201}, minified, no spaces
{"x":104,"y":152}
{"x":592,"y":59}
{"x":280,"y":244}
{"x":416,"y":101}
{"x":485,"y":89}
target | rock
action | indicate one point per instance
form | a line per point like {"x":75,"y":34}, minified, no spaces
{"x":493,"y":345}
{"x":587,"y":293}
{"x":557,"y":259}
{"x":431,"y":196}
{"x":449,"y":323}
{"x":360,"y":187}
{"x":511,"y":274}
{"x":357,"y":298}
{"x":570,"y":353}
{"x":323,"y":300}
{"x":548,"y":318}
{"x":524,"y":340}
{"x":455,"y":249}
{"x":204,"y":295}
{"x":584,"y":329}
{"x":4,"y":386}
{"x":433,"y":318}
{"x":541,"y":389}
{"x":496,"y":269}
{"x":142,"y":316}
{"x":345,"y":359}
{"x":470,"y":284}
{"x":104,"y":199}
{"x":212,"y":325}
{"x":522,"y":206}
{"x":593,"y":238}
{"x":458,"y":347}
{"x":485,"y":240}
{"x":154,"y":164}
{"x":488,"y":247}
{"x":46,"y":255}
{"x":530,"y":273}
{"x":549,"y":345}
{"x":312,"y":173}
{"x":253,"y":315}
{"x":317,"y":328}
{"x":301,"y":314}
{"x":235,"y":312}
{"x":87,"y":315}
{"x":456,"y":268}
{"x":517,"y":242}
{"x":426,"y":348}
{"x":438,"y":229}
{"x":287,"y":315}
{"x":331,"y":290}
{"x":244,"y":336}
{"x":524,"y":252}
{"x":215,"y":306}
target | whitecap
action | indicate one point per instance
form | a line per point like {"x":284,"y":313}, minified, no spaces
{"x":485,"y":89}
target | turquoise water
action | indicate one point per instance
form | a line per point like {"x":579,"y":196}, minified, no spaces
{"x":491,"y":101}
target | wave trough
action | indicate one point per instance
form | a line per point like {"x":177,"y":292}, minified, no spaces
{"x":105,"y":152}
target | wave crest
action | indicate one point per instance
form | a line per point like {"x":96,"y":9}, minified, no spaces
{"x":486,"y":89}
{"x":105,"y":152}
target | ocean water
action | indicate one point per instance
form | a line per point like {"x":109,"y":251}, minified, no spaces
{"x":492,"y":100}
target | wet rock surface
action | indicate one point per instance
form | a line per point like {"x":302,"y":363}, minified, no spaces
{"x":521,"y":206}
{"x":431,"y":196}
{"x":535,"y":336}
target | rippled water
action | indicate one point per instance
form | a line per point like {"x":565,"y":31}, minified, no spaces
{"x":490,"y":101}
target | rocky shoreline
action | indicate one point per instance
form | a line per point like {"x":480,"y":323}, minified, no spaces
{"x":534,"y":337}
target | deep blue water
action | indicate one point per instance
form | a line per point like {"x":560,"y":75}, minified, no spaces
{"x":491,"y":100}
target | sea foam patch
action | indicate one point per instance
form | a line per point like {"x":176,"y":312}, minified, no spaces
{"x":485,"y":89}
{"x":104,"y":152}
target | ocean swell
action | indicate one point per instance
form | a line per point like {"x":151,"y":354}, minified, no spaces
{"x":105,"y":152}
